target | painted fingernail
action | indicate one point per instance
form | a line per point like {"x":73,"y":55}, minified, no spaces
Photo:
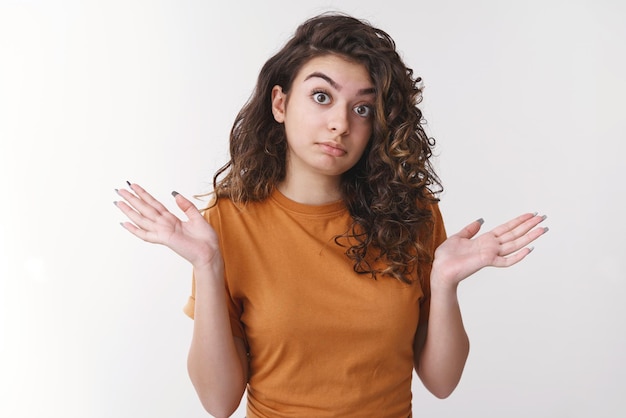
{"x":128,"y":182}
{"x":530,"y":249}
{"x":117,"y":191}
{"x":546,"y":229}
{"x":115,"y":202}
{"x":175,"y":193}
{"x":480,"y":221}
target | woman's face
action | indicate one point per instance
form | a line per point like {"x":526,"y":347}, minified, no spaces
{"x":328,"y":115}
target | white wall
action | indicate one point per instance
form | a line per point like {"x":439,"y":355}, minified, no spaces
{"x":526,"y":102}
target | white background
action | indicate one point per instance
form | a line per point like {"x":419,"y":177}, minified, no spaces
{"x":525,"y":99}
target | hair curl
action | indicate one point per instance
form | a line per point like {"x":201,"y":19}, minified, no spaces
{"x":389,"y":191}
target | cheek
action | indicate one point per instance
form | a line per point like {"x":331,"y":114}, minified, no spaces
{"x":364,"y":133}
{"x":361,"y":145}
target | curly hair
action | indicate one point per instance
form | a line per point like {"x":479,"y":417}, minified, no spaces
{"x":389,"y":191}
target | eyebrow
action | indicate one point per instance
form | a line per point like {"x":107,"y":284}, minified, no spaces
{"x":336,"y":86}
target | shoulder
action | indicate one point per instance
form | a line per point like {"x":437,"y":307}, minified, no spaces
{"x":225,"y":209}
{"x":436,"y":211}
{"x":430,"y":202}
{"x":438,"y":226}
{"x":435,"y":230}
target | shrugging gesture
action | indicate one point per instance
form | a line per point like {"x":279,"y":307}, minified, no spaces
{"x":194,"y":240}
{"x":217,"y":362}
{"x":334,"y":118}
{"x":461,"y":255}
{"x":441,"y":361}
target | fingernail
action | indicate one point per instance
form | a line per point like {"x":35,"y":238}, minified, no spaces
{"x":175,"y":193}
{"x":530,"y":249}
{"x":480,"y":221}
{"x":128,"y":182}
{"x":117,"y":191}
{"x":546,"y":229}
{"x":115,"y":202}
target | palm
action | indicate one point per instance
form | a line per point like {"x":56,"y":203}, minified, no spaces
{"x":461,"y":255}
{"x":194,"y":239}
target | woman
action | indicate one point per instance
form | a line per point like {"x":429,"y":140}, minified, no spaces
{"x":322,"y":271}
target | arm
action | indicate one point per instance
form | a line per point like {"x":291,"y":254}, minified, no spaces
{"x":217,"y":361}
{"x":444,"y":343}
{"x":441,"y":360}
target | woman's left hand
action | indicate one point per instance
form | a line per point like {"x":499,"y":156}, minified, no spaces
{"x":461,"y":255}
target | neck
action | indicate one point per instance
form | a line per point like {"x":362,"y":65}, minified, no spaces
{"x":311,"y":191}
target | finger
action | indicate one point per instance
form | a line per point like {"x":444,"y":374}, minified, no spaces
{"x":138,"y":204}
{"x":142,"y":201}
{"x":149,"y":199}
{"x":138,"y":232}
{"x":134,"y":216}
{"x":512,"y":224}
{"x":186,"y":206}
{"x":519,"y":230}
{"x":521,"y":242}
{"x":470,"y":230}
{"x":512,"y":259}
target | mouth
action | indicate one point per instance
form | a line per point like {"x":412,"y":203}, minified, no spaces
{"x":333,"y":148}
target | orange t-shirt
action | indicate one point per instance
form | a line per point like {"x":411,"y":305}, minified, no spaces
{"x":323,"y":340}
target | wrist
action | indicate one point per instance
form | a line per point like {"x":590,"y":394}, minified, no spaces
{"x":441,"y":283}
{"x":209,"y":271}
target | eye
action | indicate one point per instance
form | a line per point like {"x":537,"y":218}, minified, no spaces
{"x":321,"y":97}
{"x":363,"y":110}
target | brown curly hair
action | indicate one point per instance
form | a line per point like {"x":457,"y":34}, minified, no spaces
{"x":390,"y":189}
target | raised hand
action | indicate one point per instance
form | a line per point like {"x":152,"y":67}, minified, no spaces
{"x":461,"y":255}
{"x":195,"y":240}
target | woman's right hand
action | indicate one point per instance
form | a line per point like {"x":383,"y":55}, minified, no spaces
{"x":194,"y":240}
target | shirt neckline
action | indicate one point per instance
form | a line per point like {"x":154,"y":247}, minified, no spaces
{"x":293,"y":206}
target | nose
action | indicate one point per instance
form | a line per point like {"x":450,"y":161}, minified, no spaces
{"x":338,"y":121}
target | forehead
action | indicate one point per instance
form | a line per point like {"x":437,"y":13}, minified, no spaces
{"x":338,"y":68}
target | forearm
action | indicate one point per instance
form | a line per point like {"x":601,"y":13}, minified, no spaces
{"x":442,"y":358}
{"x":214,"y":363}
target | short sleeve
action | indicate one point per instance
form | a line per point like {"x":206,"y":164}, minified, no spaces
{"x":437,"y":237}
{"x":212,"y":216}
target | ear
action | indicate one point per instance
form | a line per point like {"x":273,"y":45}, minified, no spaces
{"x":278,"y":104}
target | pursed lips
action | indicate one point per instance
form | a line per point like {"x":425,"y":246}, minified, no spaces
{"x":333,"y":148}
